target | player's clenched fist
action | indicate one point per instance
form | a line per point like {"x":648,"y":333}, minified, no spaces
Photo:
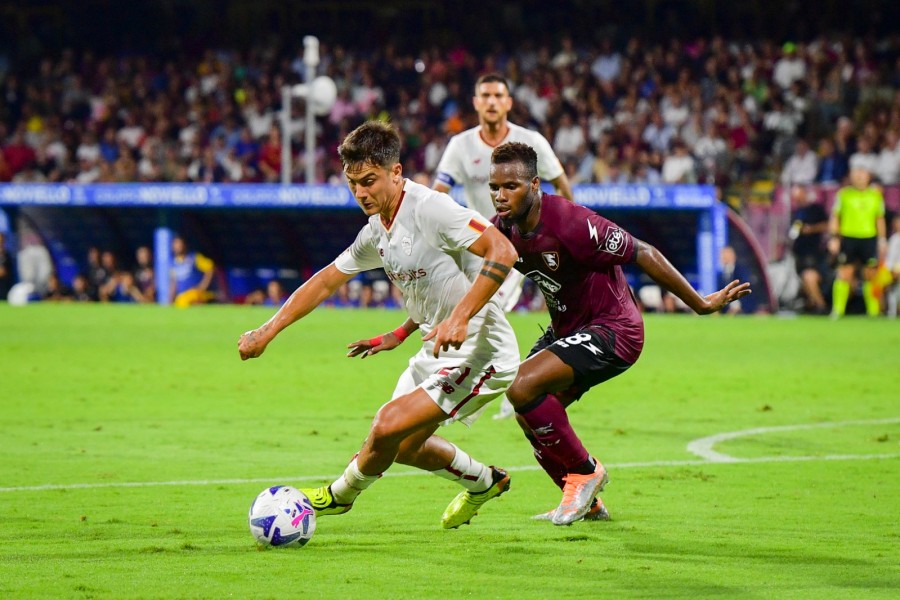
{"x":251,"y":345}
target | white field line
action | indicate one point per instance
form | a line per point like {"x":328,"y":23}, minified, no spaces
{"x":704,"y":446}
{"x":701,"y":447}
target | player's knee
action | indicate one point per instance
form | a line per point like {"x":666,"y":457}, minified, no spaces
{"x":385,"y":427}
{"x":523,"y":390}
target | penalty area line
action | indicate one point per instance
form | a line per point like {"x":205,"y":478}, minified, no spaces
{"x":418,"y":473}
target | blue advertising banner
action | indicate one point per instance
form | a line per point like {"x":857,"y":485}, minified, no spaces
{"x":194,"y":195}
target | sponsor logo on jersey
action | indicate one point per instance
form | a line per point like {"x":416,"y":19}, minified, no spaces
{"x":546,"y":284}
{"x":406,"y":244}
{"x":614,"y":241}
{"x":552,"y":260}
{"x":592,"y":232}
{"x":410,"y":275}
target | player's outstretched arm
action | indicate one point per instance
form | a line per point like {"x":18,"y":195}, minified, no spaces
{"x":657,"y":266}
{"x":499,"y":258}
{"x":563,"y":187}
{"x":302,"y":302}
{"x":387,"y":341}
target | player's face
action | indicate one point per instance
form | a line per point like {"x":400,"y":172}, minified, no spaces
{"x":492,"y":102}
{"x":513,"y":192}
{"x":374,"y":187}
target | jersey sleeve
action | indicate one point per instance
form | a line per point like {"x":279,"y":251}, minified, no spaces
{"x":448,"y":226}
{"x":449,"y":169}
{"x":595,"y":241}
{"x":362,"y":255}
{"x":549,"y":167}
{"x":836,"y":207}
{"x":203,"y":264}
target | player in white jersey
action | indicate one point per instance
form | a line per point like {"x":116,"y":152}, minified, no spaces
{"x":467,"y":162}
{"x":470,"y":354}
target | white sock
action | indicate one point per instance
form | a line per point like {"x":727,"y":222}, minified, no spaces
{"x":348,"y":486}
{"x":468,"y":472}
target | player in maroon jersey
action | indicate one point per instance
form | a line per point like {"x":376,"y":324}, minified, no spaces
{"x":574,"y":256}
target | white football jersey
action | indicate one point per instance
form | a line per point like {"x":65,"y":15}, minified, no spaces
{"x":422,"y":252}
{"x":467,"y":162}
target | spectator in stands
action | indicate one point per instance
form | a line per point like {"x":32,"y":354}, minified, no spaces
{"x":858,"y":239}
{"x":19,"y":155}
{"x":57,"y":291}
{"x":274,"y":295}
{"x":711,"y":152}
{"x":270,"y":156}
{"x":729,"y":270}
{"x":801,"y":167}
{"x":833,"y":166}
{"x":144,"y":274}
{"x":121,"y":287}
{"x":191,"y":276}
{"x":106,"y":274}
{"x":96,"y":273}
{"x":845,"y":139}
{"x":809,"y":223}
{"x":6,"y":268}
{"x":790,"y":67}
{"x":887,"y":169}
{"x":81,"y":291}
{"x":865,"y":157}
{"x":679,"y":166}
{"x":658,"y":133}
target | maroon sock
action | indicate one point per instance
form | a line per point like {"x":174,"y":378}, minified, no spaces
{"x":549,"y":425}
{"x":548,"y":462}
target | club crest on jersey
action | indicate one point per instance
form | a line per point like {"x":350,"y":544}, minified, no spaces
{"x":406,"y":244}
{"x":614,"y":241}
{"x":551,"y":259}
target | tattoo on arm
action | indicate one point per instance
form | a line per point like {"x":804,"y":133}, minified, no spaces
{"x":495,"y":265}
{"x":492,"y":275}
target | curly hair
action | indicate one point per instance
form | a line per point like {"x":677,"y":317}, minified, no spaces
{"x":512,"y":152}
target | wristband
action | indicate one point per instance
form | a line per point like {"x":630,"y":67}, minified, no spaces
{"x":401,"y":333}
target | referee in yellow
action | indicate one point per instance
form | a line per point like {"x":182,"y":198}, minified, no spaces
{"x":858,"y":238}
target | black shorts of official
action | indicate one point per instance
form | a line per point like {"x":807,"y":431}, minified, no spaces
{"x":804,"y":262}
{"x":863,"y":251}
{"x":589,"y":351}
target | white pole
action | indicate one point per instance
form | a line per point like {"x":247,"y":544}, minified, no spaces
{"x":311,"y":60}
{"x":285,"y":134}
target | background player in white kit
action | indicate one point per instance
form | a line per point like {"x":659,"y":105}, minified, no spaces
{"x":470,"y":355}
{"x":467,"y":162}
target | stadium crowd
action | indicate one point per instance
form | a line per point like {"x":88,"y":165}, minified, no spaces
{"x":709,"y":110}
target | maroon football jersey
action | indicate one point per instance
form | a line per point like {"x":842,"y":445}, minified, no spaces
{"x":574,"y":257}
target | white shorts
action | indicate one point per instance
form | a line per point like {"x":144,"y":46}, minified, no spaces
{"x":460,"y":389}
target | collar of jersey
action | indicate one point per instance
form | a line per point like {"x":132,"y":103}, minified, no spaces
{"x":387,"y":226}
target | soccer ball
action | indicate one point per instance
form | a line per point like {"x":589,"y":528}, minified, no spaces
{"x":282,"y":516}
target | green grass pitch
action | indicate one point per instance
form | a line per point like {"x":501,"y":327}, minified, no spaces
{"x":133,"y":440}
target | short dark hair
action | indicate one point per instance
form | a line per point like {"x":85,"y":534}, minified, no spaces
{"x":512,"y":152}
{"x":373,"y":142}
{"x":492,"y":78}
